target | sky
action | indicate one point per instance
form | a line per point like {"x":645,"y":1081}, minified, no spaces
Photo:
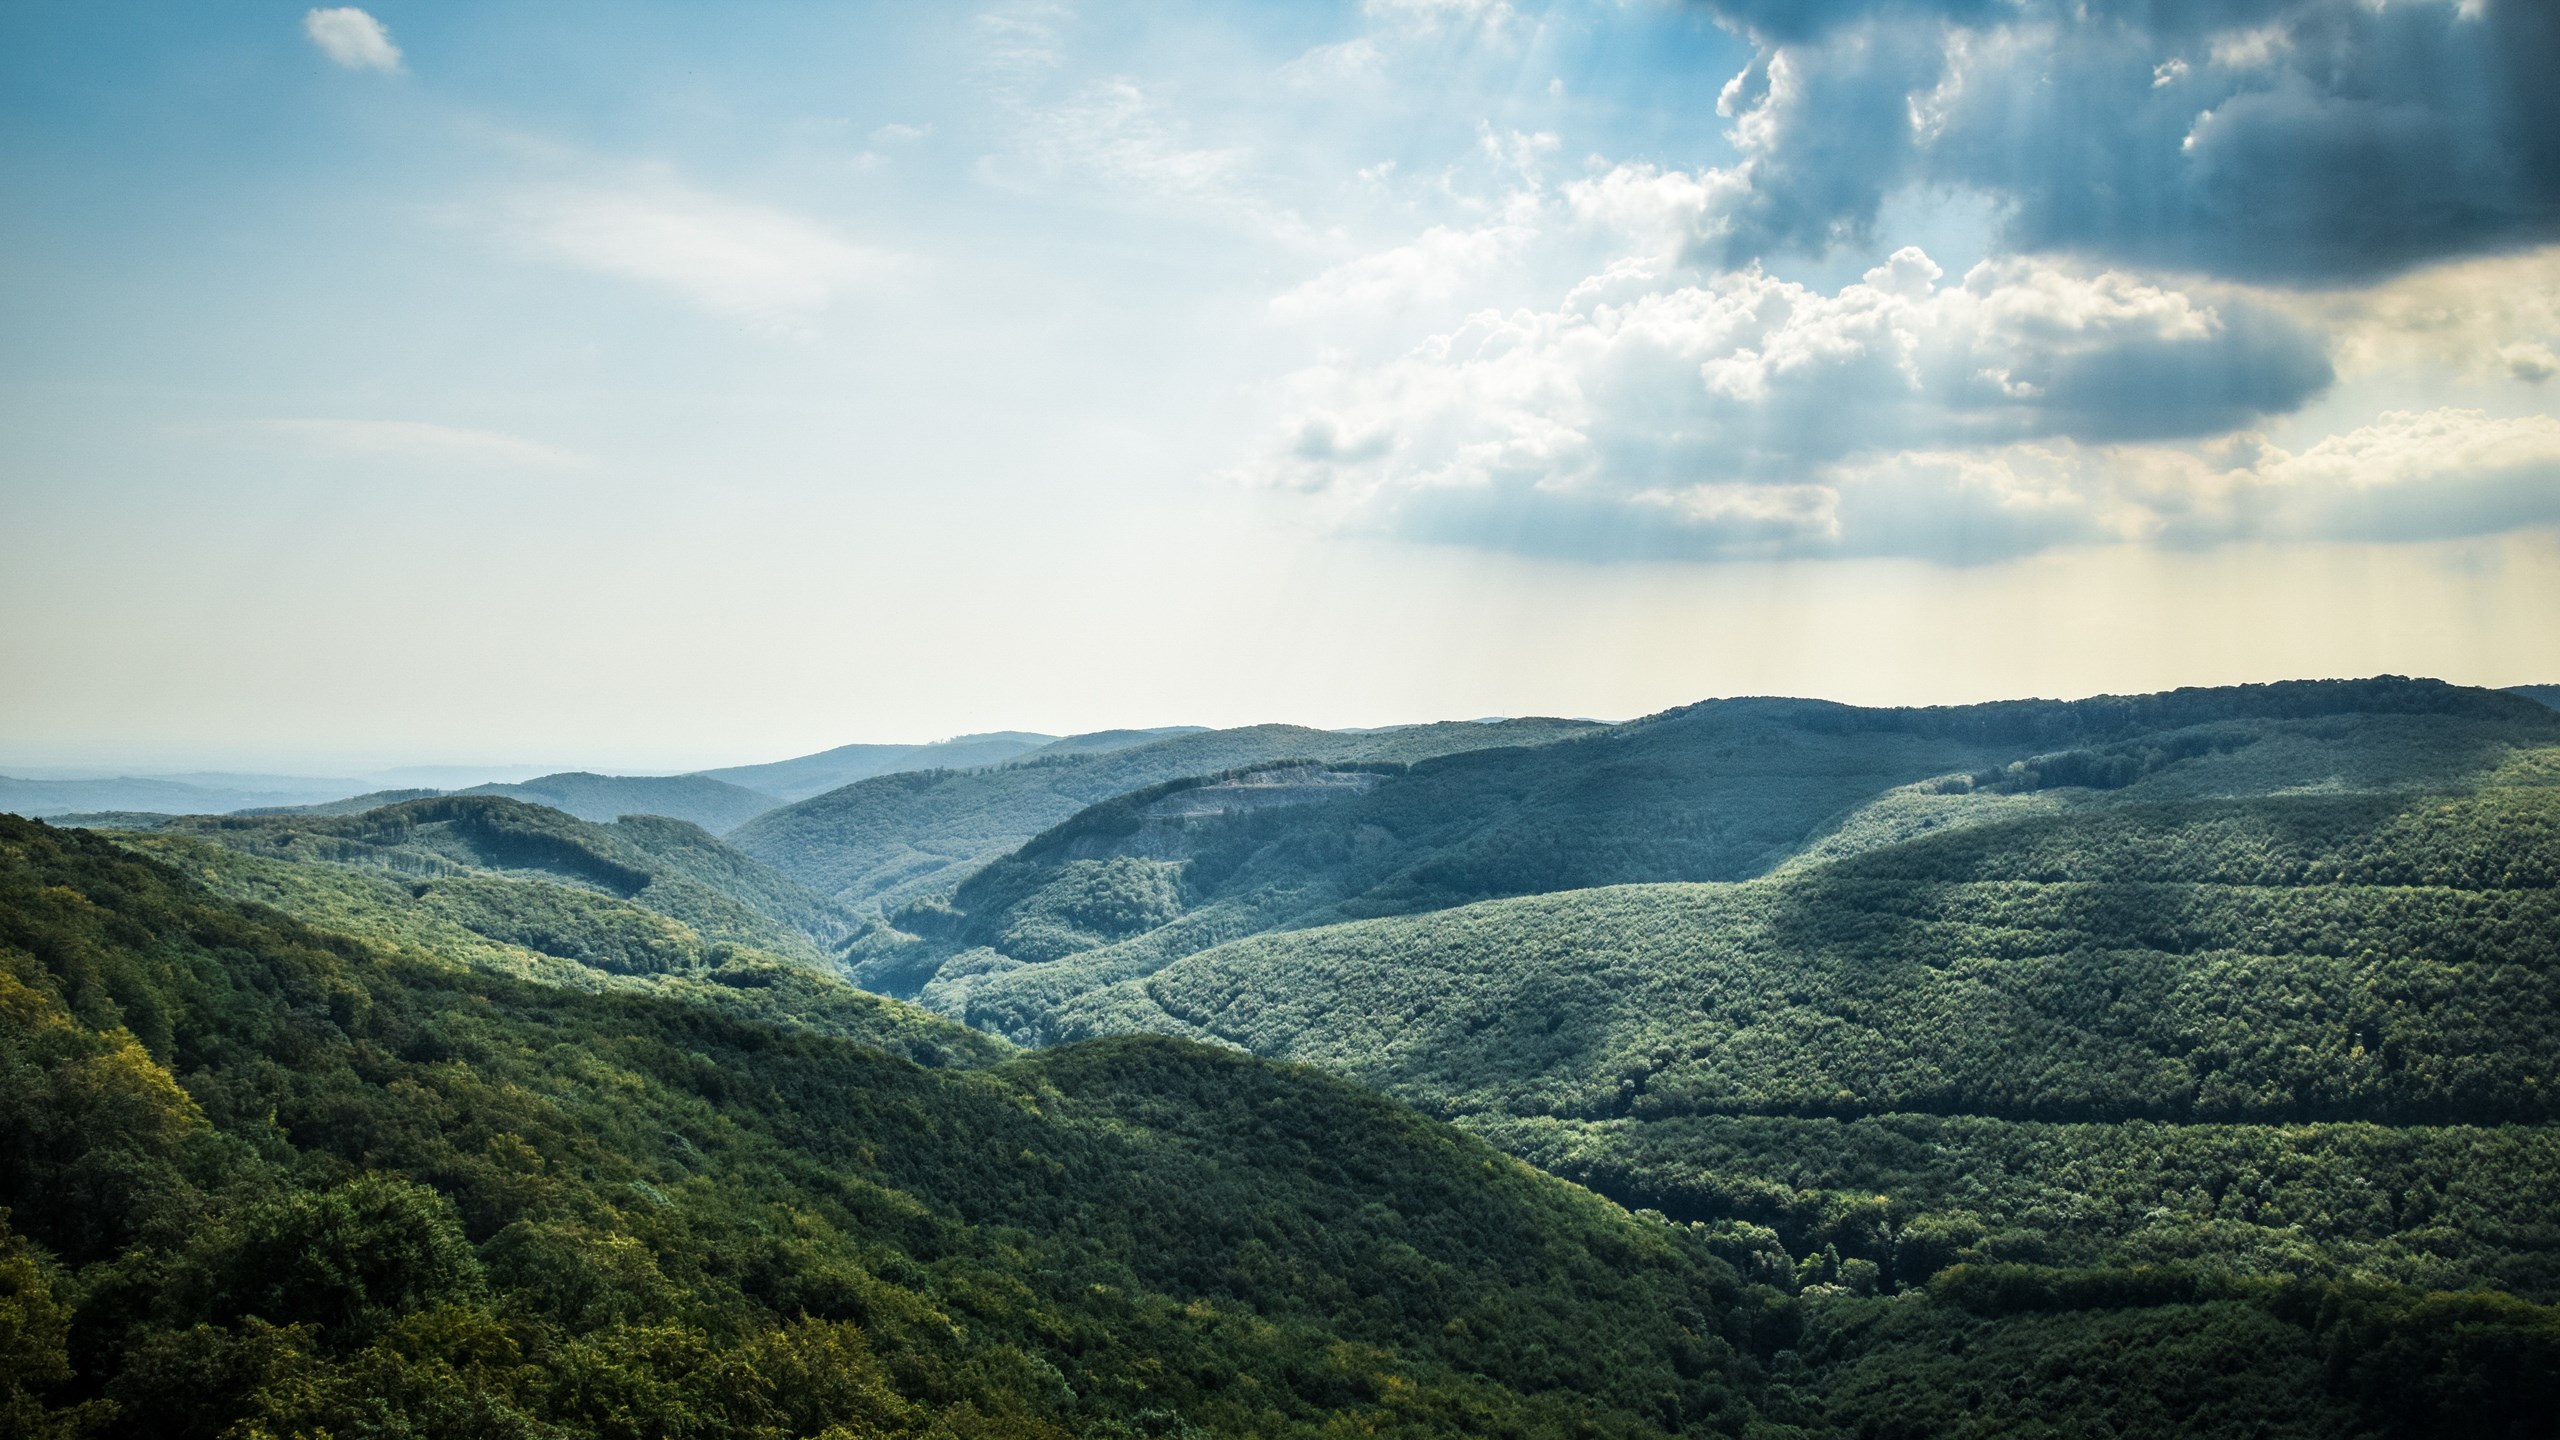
{"x":645,"y":386}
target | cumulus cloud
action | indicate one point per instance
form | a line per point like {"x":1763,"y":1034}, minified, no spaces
{"x":352,"y":38}
{"x":749,"y":262}
{"x":2310,"y":142}
{"x":1722,"y":416}
{"x":2412,"y":475}
{"x":2529,"y":361}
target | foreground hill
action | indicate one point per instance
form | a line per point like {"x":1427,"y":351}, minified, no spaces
{"x":1725,"y":790}
{"x":262,"y":1179}
{"x":715,"y":805}
{"x":299,"y":1184}
{"x":887,"y":840}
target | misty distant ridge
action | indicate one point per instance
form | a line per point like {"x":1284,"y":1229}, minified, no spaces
{"x":719,"y":800}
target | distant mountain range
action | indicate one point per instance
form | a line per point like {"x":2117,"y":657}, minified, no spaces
{"x":717,"y":800}
{"x":1725,"y":790}
{"x":807,"y":775}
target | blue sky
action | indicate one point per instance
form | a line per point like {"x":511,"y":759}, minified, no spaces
{"x":644,"y":385}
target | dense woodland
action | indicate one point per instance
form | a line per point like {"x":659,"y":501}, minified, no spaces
{"x":2166,"y":1066}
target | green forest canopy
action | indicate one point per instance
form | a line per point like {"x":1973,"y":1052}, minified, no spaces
{"x":266,"y":1180}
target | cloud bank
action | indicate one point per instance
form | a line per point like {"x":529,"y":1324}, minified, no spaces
{"x":2197,"y":214}
{"x":2300,"y":142}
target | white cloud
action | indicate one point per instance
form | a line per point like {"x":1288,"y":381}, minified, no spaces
{"x":2529,"y":361}
{"x":1433,"y":268}
{"x":352,"y":38}
{"x":421,"y":440}
{"x":2482,"y":318}
{"x":1659,"y":209}
{"x":1750,"y":414}
{"x":2407,"y":449}
{"x":750,"y":262}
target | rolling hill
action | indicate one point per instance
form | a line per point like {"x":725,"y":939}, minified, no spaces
{"x":896,"y":837}
{"x":265,"y":1178}
{"x":715,"y":805}
{"x":298,"y":1183}
{"x":2303,"y":1034}
{"x":535,"y":877}
{"x":807,"y":775}
{"x":1725,"y":790}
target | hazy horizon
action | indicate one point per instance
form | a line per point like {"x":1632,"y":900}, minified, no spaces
{"x":431,"y":771}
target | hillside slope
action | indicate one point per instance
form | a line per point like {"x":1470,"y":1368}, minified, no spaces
{"x":715,"y":805}
{"x":527,"y":874}
{"x":262,"y":1179}
{"x":292,"y":1183}
{"x":2308,"y":1034}
{"x":888,"y":840}
{"x":1720,"y":791}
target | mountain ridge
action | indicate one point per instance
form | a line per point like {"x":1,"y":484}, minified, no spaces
{"x":1719,"y":791}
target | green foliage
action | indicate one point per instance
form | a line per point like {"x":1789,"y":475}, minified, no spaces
{"x":459,"y":845}
{"x":2301,"y":1035}
{"x":34,"y":1329}
{"x":303,"y":1183}
{"x":344,"y":1261}
{"x":2186,"y":1076}
{"x":2293,"y":958}
{"x":2429,"y":1206}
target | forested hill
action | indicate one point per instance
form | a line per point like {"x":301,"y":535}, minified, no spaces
{"x":1724,"y":790}
{"x":715,"y":805}
{"x":2543,"y":694}
{"x":886,"y":840}
{"x":261,"y":1179}
{"x":520,"y":874}
{"x":2307,"y":1034}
